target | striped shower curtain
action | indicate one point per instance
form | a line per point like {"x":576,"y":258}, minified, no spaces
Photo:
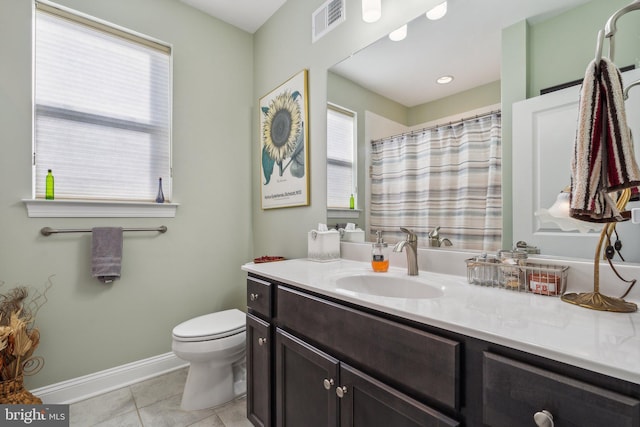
{"x":447,"y":176}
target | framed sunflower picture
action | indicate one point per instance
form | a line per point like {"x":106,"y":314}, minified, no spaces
{"x":284,"y":139}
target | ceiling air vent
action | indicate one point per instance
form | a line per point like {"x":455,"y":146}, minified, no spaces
{"x":326,"y":18}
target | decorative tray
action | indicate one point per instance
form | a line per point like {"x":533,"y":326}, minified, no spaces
{"x":267,"y":258}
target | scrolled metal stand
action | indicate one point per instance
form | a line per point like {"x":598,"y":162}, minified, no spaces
{"x":595,"y":300}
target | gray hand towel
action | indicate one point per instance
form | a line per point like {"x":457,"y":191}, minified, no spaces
{"x":106,"y":253}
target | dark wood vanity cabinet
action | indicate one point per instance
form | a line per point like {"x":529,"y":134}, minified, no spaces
{"x":314,"y":389}
{"x":414,"y":361}
{"x":513,"y":391}
{"x":305,"y":384}
{"x":258,"y":371}
{"x":259,"y":352}
{"x":329,"y":363}
{"x":260,"y":297}
{"x":369,"y":402}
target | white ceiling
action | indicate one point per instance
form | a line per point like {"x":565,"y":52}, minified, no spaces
{"x":466,"y":43}
{"x":248,"y":15}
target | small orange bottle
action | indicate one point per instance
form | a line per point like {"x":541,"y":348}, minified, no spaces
{"x":379,"y":258}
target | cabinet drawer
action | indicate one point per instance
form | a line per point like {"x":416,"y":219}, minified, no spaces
{"x":405,"y":357}
{"x":513,"y":391}
{"x":259,"y":299}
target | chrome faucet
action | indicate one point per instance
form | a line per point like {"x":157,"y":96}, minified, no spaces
{"x":411,"y":242}
{"x":436,"y":241}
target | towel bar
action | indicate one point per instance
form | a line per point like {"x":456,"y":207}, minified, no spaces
{"x":47,"y":231}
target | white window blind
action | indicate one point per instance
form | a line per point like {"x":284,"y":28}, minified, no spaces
{"x":102,"y":115}
{"x":340,"y":157}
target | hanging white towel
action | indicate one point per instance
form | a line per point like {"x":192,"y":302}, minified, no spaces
{"x":106,"y":253}
{"x":604,"y":160}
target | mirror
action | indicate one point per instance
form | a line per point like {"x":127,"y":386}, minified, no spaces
{"x":542,"y":125}
{"x":400,"y":88}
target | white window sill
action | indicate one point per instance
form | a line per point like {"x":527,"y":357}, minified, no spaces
{"x":38,"y":208}
{"x":343,"y":213}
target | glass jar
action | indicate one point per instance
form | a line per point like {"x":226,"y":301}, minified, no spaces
{"x":512,"y":275}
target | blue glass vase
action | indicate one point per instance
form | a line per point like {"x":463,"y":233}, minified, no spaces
{"x":160,"y":196}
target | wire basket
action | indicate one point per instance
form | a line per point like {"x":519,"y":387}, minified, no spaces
{"x":543,"y":279}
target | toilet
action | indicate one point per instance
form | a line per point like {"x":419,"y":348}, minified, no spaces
{"x":214,"y":345}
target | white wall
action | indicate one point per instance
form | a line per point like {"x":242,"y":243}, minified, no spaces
{"x":192,"y":269}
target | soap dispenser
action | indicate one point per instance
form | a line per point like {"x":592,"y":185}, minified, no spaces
{"x":379,"y":254}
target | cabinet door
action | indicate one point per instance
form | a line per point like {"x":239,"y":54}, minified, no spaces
{"x":305,"y":384}
{"x":258,"y":372}
{"x":367,"y":402}
{"x":514,"y":391}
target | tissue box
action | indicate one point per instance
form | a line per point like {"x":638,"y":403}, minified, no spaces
{"x":323,"y":245}
{"x":356,"y":235}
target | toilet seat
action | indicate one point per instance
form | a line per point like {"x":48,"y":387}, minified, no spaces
{"x":211,"y":326}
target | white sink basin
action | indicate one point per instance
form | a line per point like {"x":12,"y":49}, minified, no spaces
{"x":387,"y":286}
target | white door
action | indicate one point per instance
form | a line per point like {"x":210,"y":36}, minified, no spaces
{"x":544,"y":130}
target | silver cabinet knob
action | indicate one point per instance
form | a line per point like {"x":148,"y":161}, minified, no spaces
{"x":328,"y":383}
{"x":543,"y":418}
{"x":341,"y":391}
{"x":262,"y":341}
{"x":253,"y":297}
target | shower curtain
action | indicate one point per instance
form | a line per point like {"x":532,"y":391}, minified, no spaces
{"x":447,"y":176}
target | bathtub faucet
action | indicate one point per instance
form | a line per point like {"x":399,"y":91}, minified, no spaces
{"x":435,"y":240}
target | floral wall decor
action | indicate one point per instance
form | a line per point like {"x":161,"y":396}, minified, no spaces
{"x":284,"y":144}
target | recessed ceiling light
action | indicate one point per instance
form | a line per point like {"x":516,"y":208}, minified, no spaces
{"x":437,"y":12}
{"x":399,"y":34}
{"x":444,"y":80}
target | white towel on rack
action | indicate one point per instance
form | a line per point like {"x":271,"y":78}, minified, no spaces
{"x":106,"y":253}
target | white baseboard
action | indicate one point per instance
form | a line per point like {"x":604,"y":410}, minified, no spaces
{"x":91,"y":385}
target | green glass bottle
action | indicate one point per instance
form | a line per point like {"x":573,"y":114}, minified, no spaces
{"x":352,"y":204}
{"x":48,"y":190}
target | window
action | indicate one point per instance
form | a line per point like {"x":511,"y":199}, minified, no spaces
{"x":102,"y":113}
{"x":341,"y":155}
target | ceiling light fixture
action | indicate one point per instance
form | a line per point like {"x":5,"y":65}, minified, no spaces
{"x":399,"y":34}
{"x":437,"y":12}
{"x":371,"y":10}
{"x":444,"y":80}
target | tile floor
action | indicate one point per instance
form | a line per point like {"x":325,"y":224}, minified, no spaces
{"x":154,"y":403}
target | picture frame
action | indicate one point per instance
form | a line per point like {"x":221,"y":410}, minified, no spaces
{"x":284,"y":140}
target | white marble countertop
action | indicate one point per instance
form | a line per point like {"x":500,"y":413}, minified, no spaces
{"x":608,"y":343}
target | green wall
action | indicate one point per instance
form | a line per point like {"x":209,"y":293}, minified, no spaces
{"x":534,"y":56}
{"x":283,"y":47}
{"x":348,"y":94}
{"x":192,"y":269}
{"x":468,"y":100}
{"x":561,"y":47}
{"x":513,"y":70}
